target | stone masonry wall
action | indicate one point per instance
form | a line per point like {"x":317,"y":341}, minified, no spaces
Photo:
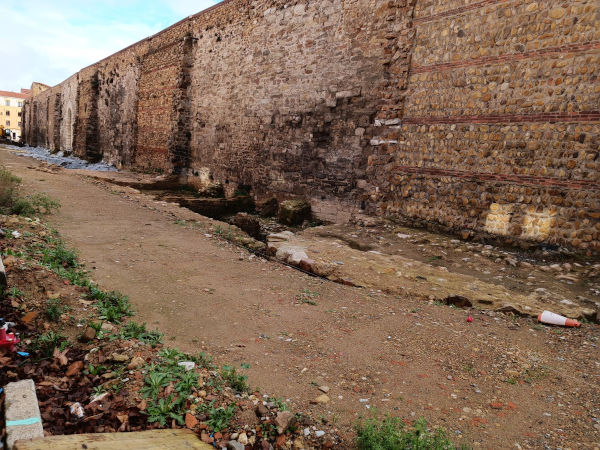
{"x":500,"y":128}
{"x":474,"y":115}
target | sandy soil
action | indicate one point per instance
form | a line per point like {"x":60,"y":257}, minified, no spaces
{"x":497,"y":382}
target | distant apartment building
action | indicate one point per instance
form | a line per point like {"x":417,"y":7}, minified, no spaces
{"x":11,"y":106}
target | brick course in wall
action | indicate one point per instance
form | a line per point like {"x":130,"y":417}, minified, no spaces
{"x":479,"y":115}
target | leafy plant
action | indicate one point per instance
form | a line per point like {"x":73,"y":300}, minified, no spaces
{"x":54,"y":309}
{"x":235,"y":380}
{"x":112,"y":306}
{"x":98,"y":390}
{"x":8,"y":190}
{"x":308,"y":297}
{"x":279,"y":403}
{"x":34,"y":204}
{"x":390,"y":433}
{"x":94,"y":370}
{"x":219,"y":418}
{"x":47,"y":342}
{"x":162,"y":409}
{"x":154,"y":382}
{"x":59,"y":256}
{"x":133,"y":330}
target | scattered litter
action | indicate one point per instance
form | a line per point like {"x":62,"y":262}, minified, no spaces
{"x":403,"y":236}
{"x":188,"y":365}
{"x":99,"y":397}
{"x":469,"y":319}
{"x":319,"y":433}
{"x":77,"y":410}
{"x":16,"y":234}
{"x":8,"y":340}
{"x":551,"y":318}
{"x":24,"y":354}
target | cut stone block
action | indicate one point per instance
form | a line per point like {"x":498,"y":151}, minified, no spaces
{"x":23,"y":419}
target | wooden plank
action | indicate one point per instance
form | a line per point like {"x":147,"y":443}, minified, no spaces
{"x":139,"y":440}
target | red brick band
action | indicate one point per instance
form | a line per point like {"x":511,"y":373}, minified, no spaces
{"x":487,"y":60}
{"x":582,"y":116}
{"x":149,"y":149}
{"x":456,"y":11}
{"x":502,"y":178}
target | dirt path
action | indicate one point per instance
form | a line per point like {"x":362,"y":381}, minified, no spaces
{"x":497,"y":382}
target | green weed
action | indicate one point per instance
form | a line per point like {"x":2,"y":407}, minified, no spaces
{"x":235,"y":380}
{"x":159,"y":410}
{"x":390,"y":433}
{"x":111,"y":306}
{"x":279,"y":403}
{"x":219,"y":418}
{"x":47,"y":342}
{"x":15,"y":292}
{"x":34,"y":204}
{"x":308,"y":297}
{"x":95,"y":370}
{"x":54,"y":309}
{"x":133,"y":330}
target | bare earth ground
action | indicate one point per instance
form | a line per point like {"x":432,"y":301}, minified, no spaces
{"x":499,"y":382}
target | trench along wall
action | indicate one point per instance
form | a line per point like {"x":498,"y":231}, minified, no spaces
{"x":476,"y":115}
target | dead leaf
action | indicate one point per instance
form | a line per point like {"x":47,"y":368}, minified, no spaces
{"x":61,"y":357}
{"x":29,"y":317}
{"x":74,"y":368}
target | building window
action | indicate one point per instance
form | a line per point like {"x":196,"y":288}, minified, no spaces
{"x":20,"y":104}
{"x":7,"y":102}
{"x":19,"y":114}
{"x":19,"y":124}
{"x":8,"y":113}
{"x":8,"y":123}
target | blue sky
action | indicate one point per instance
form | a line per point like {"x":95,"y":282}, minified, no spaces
{"x":48,"y":41}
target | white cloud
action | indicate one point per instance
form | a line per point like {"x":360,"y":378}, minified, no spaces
{"x":48,"y":42}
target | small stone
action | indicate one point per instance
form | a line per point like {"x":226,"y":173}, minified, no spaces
{"x":321,"y":399}
{"x":9,"y":261}
{"x":298,"y":444}
{"x":136,"y":363}
{"x":206,"y":438}
{"x":261,"y":410}
{"x":119,"y":357}
{"x":319,"y":433}
{"x":324,"y":389}
{"x":88,"y":335}
{"x":557,"y":13}
{"x":190,"y":421}
{"x":283,"y":420}
{"x":235,"y":445}
{"x":243,"y":438}
{"x":107,"y":327}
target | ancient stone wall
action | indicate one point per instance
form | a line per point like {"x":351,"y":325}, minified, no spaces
{"x":473,"y":115}
{"x":500,"y":128}
{"x":68,"y":96}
